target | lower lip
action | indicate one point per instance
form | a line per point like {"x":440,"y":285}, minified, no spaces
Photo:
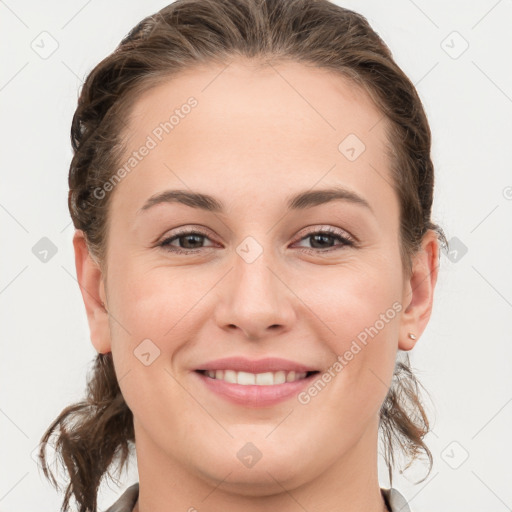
{"x":254,"y":395}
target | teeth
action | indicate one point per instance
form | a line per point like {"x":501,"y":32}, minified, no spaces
{"x":229,"y":376}
{"x":260,"y":379}
{"x":246,"y":378}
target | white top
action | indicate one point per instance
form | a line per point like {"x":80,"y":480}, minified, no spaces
{"x":394,"y":500}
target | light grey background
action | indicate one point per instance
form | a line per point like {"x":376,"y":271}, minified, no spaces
{"x":464,"y":357}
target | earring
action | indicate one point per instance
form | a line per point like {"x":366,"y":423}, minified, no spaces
{"x":412,"y":336}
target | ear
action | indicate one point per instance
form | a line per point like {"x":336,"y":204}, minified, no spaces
{"x":90,"y":279}
{"x":418,"y":292}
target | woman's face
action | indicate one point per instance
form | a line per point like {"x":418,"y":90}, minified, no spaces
{"x":256,"y":280}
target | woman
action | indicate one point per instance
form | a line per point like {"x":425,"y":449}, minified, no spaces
{"x":251,"y":190}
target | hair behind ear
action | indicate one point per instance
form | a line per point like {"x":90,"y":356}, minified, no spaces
{"x":403,"y":420}
{"x":90,"y":434}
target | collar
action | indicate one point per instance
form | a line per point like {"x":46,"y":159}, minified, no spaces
{"x":394,"y":500}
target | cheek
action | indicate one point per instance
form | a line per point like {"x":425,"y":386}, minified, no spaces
{"x":362,"y":312}
{"x":153,"y":321}
{"x":352,"y":300}
{"x":153,"y":301}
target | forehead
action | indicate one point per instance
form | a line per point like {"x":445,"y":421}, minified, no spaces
{"x":260,"y":98}
{"x":255,"y":130}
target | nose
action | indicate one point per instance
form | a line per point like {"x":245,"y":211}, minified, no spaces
{"x":255,"y":300}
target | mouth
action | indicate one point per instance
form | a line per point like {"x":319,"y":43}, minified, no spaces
{"x":258,"y":379}
{"x":255,"y":390}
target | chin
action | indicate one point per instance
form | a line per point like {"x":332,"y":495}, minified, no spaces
{"x":265,"y":481}
{"x":263,"y":477}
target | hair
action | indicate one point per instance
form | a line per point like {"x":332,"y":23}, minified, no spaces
{"x":98,"y":430}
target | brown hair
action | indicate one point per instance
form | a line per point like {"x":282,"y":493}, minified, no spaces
{"x":99,"y":430}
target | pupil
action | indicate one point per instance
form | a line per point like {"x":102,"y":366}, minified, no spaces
{"x":321,"y":237}
{"x":191,"y":238}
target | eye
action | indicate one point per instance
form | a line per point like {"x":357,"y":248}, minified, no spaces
{"x":188,"y":242}
{"x":322,"y":238}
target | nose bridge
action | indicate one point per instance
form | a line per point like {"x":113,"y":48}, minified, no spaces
{"x":252,"y":273}
{"x":257,"y":299}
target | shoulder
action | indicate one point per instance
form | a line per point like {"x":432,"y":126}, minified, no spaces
{"x":126,"y":501}
{"x":395,"y":501}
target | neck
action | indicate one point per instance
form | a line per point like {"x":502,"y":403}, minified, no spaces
{"x":349,"y":485}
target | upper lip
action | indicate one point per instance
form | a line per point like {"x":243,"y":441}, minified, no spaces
{"x":268,"y":364}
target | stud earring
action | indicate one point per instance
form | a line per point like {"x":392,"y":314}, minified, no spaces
{"x":412,"y":336}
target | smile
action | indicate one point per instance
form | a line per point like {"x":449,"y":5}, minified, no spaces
{"x":255,"y":389}
{"x":259,"y":379}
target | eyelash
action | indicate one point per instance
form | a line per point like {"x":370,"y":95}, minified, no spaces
{"x":327,"y":231}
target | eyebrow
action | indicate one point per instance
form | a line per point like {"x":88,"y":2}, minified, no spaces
{"x":300,"y":201}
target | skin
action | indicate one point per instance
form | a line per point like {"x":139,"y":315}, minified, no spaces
{"x":258,"y":135}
